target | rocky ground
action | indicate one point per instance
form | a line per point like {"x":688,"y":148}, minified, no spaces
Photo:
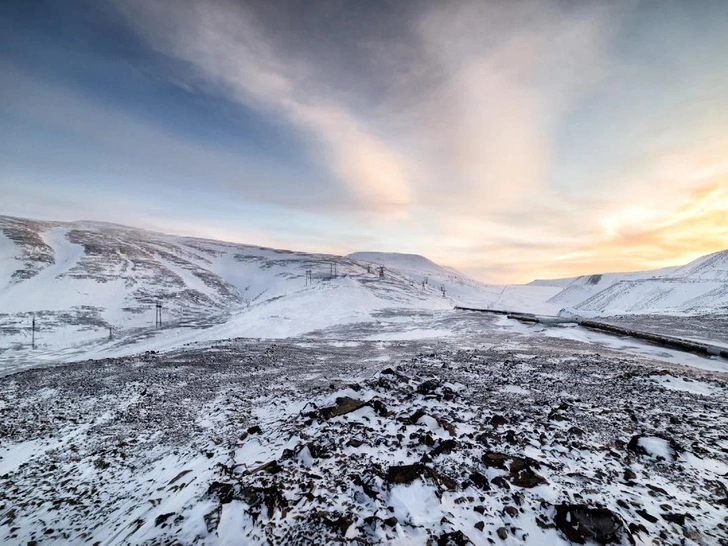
{"x":316,"y":441}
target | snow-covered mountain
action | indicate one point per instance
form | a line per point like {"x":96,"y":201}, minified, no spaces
{"x":423,"y":270}
{"x":698,"y":287}
{"x":79,"y":279}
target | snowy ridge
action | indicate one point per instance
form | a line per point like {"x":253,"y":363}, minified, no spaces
{"x":698,"y":287}
{"x":83,"y":281}
{"x":461,"y":288}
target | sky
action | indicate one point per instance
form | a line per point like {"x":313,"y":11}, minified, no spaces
{"x":512,"y":140}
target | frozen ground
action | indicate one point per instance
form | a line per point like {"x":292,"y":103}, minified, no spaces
{"x":427,"y":427}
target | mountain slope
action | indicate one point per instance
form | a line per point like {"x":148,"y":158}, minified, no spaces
{"x":80,"y":279}
{"x":429,"y":275}
{"x":698,"y":287}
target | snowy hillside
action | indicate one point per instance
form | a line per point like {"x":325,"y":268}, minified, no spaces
{"x":698,"y":287}
{"x":427,"y":274}
{"x":81,"y":279}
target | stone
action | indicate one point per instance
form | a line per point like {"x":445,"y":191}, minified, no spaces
{"x":428,"y":387}
{"x":159,"y":520}
{"x":581,"y":523}
{"x":456,"y":538}
{"x":480,"y":480}
{"x":344,"y":405}
{"x":493,"y":459}
{"x":498,"y":420}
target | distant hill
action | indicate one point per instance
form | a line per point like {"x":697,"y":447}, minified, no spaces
{"x":78,"y":279}
{"x":698,"y":287}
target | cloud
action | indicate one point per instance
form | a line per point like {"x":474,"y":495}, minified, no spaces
{"x":224,"y":44}
{"x":506,"y":74}
{"x":512,"y":139}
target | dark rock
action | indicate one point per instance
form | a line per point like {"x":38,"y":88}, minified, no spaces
{"x":480,"y":525}
{"x":212,"y":519}
{"x":366,"y":486}
{"x":343,"y":405}
{"x":456,"y":538}
{"x":493,"y":459}
{"x":675,"y":518}
{"x":629,"y":475}
{"x":655,"y":489}
{"x":527,"y":478}
{"x":162,"y":518}
{"x":520,"y":463}
{"x":498,"y":420}
{"x":404,"y":474}
{"x":480,"y":480}
{"x":417,"y":415}
{"x":501,"y":482}
{"x":482,"y":439}
{"x":270,"y":497}
{"x":271,"y":468}
{"x":644,"y":514}
{"x":636,"y":528}
{"x":428,"y":386}
{"x":444,"y":447}
{"x":225,"y":492}
{"x":502,"y":533}
{"x":580,"y":523}
{"x":378,"y":407}
{"x":511,"y":511}
{"x":255,"y":429}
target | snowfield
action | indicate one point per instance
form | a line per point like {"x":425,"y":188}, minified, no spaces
{"x":342,"y":406}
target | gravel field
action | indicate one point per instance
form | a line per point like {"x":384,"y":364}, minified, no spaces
{"x":477,"y":437}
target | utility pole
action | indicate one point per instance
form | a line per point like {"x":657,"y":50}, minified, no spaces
{"x":381,"y":271}
{"x":110,"y":336}
{"x":309,"y":278}
{"x":32,"y":343}
{"x":500,"y":295}
{"x":158,"y":315}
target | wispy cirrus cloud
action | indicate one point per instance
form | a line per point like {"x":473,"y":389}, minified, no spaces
{"x":225,"y":45}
